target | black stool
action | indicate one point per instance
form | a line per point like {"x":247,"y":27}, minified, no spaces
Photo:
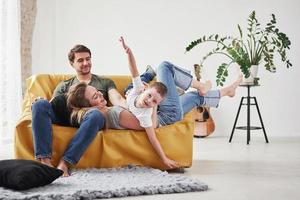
{"x":248,"y":127}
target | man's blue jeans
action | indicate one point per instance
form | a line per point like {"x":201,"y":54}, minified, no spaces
{"x":174,"y":107}
{"x":43,"y":117}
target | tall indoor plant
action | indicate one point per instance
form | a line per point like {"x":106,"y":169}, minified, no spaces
{"x":258,"y":46}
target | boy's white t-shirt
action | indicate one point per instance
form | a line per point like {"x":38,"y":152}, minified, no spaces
{"x":142,"y":114}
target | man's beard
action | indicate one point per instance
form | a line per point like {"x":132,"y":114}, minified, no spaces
{"x":86,"y":72}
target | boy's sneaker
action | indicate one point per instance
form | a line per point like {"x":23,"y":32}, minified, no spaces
{"x":150,"y":70}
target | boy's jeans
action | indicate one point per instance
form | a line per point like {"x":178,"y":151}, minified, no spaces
{"x":174,"y":107}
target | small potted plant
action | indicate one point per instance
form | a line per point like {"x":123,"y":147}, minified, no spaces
{"x":258,"y":46}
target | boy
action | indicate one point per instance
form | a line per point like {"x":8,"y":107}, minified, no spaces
{"x":142,"y":102}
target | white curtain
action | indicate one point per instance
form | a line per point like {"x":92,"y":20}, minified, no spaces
{"x":10,"y":68}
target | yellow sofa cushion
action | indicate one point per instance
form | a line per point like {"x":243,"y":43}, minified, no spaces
{"x":110,"y":148}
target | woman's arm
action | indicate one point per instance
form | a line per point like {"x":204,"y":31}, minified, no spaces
{"x":131,"y":60}
{"x":116,"y":98}
{"x":128,"y":121}
{"x":157,"y":147}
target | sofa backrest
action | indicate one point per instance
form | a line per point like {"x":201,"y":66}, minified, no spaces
{"x":43,"y":85}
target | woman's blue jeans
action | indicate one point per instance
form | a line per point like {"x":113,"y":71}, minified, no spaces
{"x":174,"y":107}
{"x":43,"y":117}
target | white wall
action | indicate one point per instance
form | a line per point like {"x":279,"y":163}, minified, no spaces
{"x":160,"y":30}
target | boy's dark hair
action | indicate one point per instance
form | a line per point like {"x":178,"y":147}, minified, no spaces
{"x":79,"y":48}
{"x":160,"y":88}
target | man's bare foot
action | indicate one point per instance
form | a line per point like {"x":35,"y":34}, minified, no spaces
{"x":204,"y":88}
{"x":230,"y":90}
{"x":46,"y":161}
{"x":64,"y":167}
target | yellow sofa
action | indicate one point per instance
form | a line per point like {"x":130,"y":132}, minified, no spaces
{"x":111,"y":148}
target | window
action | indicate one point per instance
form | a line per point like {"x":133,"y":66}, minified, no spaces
{"x":10,"y":68}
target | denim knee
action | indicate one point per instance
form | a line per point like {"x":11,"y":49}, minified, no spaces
{"x":181,"y":76}
{"x":41,"y":105}
{"x":95,"y":118}
{"x":163,"y":67}
{"x":164,"y":64}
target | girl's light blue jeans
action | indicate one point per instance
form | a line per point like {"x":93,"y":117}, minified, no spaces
{"x":43,"y":117}
{"x":174,"y":107}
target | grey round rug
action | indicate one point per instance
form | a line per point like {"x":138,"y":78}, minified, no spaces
{"x":107,"y":183}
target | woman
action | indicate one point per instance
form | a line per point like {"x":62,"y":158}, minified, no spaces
{"x":83,"y":98}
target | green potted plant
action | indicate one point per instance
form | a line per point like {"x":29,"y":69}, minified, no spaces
{"x":257,"y":47}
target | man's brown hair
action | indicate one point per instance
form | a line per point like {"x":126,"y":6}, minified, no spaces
{"x":79,"y":48}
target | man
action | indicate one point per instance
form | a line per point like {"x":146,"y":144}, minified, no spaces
{"x":45,"y":113}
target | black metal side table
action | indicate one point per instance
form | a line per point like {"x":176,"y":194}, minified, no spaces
{"x":248,"y":127}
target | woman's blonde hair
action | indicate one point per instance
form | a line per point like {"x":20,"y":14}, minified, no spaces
{"x":77,"y":103}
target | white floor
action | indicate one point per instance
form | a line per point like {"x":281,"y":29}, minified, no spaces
{"x":237,"y":170}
